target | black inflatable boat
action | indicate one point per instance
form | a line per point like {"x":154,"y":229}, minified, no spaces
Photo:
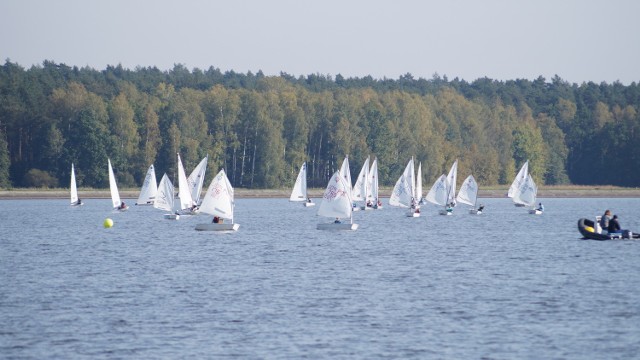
{"x":588,"y":230}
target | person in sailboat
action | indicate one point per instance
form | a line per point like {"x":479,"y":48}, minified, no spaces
{"x":216,"y":220}
{"x":309,"y":200}
{"x":481,"y":207}
{"x":338,"y":221}
{"x":122,"y":205}
{"x":369,"y":203}
{"x":540,"y":207}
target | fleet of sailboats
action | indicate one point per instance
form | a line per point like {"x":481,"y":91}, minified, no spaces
{"x":338,"y":199}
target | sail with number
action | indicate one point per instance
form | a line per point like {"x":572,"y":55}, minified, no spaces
{"x":403,"y":191}
{"x":299,"y":192}
{"x":219,"y":199}
{"x":468,"y":193}
{"x":519,"y":179}
{"x":438,"y":194}
{"x":149,"y":188}
{"x":527,"y":192}
{"x":361,"y":188}
{"x":336,"y":200}
{"x":165,"y":196}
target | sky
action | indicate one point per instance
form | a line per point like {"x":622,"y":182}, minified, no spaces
{"x":577,"y":40}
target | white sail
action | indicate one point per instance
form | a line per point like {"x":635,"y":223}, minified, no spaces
{"x":346,"y":172}
{"x":299,"y":192}
{"x":402,"y":193}
{"x":218,"y":201}
{"x":468,"y":193}
{"x":452,"y":178}
{"x":196,"y":180}
{"x":419,"y":183}
{"x":149,"y":188}
{"x":184,"y":193}
{"x":336,"y":201}
{"x":165,"y":196}
{"x":373,"y":181}
{"x":73,"y":187}
{"x":527,"y":192}
{"x":113,"y":187}
{"x":360,"y":189}
{"x":438,"y":192}
{"x":519,"y":179}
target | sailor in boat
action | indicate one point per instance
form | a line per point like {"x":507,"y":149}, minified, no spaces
{"x":540,"y":207}
{"x":481,"y":207}
{"x":122,"y":205}
{"x":369,"y":203}
{"x":450,"y":207}
{"x":604,"y":220}
{"x":217,"y":220}
{"x":78,"y":202}
{"x":309,"y":200}
{"x":338,"y":221}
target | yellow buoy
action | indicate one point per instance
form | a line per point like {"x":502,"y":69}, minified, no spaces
{"x":108,"y":223}
{"x":589,"y":228}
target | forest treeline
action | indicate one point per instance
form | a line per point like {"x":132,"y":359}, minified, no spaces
{"x":261,"y":128}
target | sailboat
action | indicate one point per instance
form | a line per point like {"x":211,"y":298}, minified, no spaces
{"x":219,"y":202}
{"x":452,"y":178}
{"x":75,"y":201}
{"x":419,"y":185}
{"x":373,"y":195}
{"x":361,"y":188}
{"x":186,"y":204}
{"x":526,"y":195}
{"x":346,"y":174}
{"x":299,"y":192}
{"x":468,"y":194}
{"x":438,"y":194}
{"x":115,"y":195}
{"x":149,"y":188}
{"x":165,"y":199}
{"x":517,"y":182}
{"x":337,"y":203}
{"x":403,"y":194}
{"x":195,"y":181}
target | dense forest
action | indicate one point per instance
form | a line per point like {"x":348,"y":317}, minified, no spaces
{"x":261,"y":128}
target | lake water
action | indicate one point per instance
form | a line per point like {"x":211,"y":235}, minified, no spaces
{"x":503,"y":285}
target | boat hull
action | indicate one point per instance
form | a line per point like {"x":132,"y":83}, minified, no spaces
{"x":587,"y":227}
{"x":309,"y":204}
{"x":337,"y":226}
{"x":475,"y":212}
{"x":445,"y":212}
{"x":535,"y":212}
{"x":172,"y":216}
{"x":217,"y":227}
{"x":413,"y":214}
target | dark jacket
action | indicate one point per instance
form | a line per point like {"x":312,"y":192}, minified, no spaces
{"x":614,"y":225}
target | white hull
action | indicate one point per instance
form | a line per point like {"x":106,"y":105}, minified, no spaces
{"x":335,"y":226}
{"x":121,"y":209}
{"x":78,"y":204}
{"x":535,"y":212}
{"x":172,"y":216}
{"x":309,"y":204}
{"x":445,"y":212}
{"x":366,"y":208}
{"x":413,"y":214}
{"x":475,"y":212}
{"x":217,"y":227}
{"x":150,"y":203}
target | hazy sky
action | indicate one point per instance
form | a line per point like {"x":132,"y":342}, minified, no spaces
{"x":579,"y":40}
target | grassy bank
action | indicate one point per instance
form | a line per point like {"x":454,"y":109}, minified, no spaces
{"x":487,"y":192}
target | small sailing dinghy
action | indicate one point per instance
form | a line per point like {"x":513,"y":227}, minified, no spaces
{"x":115,"y":195}
{"x":468,"y":194}
{"x":452,"y":178}
{"x":373,"y":195}
{"x":75,"y":201}
{"x":520,"y":178}
{"x":345,"y":171}
{"x":149,"y":188}
{"x":526,"y":195}
{"x":361,"y":188}
{"x":165,"y":199}
{"x":299,"y":192}
{"x":219,"y":202}
{"x":195,"y":181}
{"x":403,"y":194}
{"x":438,"y":194}
{"x":185,"y":204}
{"x":337,"y":204}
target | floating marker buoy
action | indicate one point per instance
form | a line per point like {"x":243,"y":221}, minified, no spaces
{"x":108,"y":223}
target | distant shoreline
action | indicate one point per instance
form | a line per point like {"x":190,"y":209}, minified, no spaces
{"x":550,"y":192}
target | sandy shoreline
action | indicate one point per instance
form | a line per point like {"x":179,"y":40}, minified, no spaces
{"x":595,"y":192}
